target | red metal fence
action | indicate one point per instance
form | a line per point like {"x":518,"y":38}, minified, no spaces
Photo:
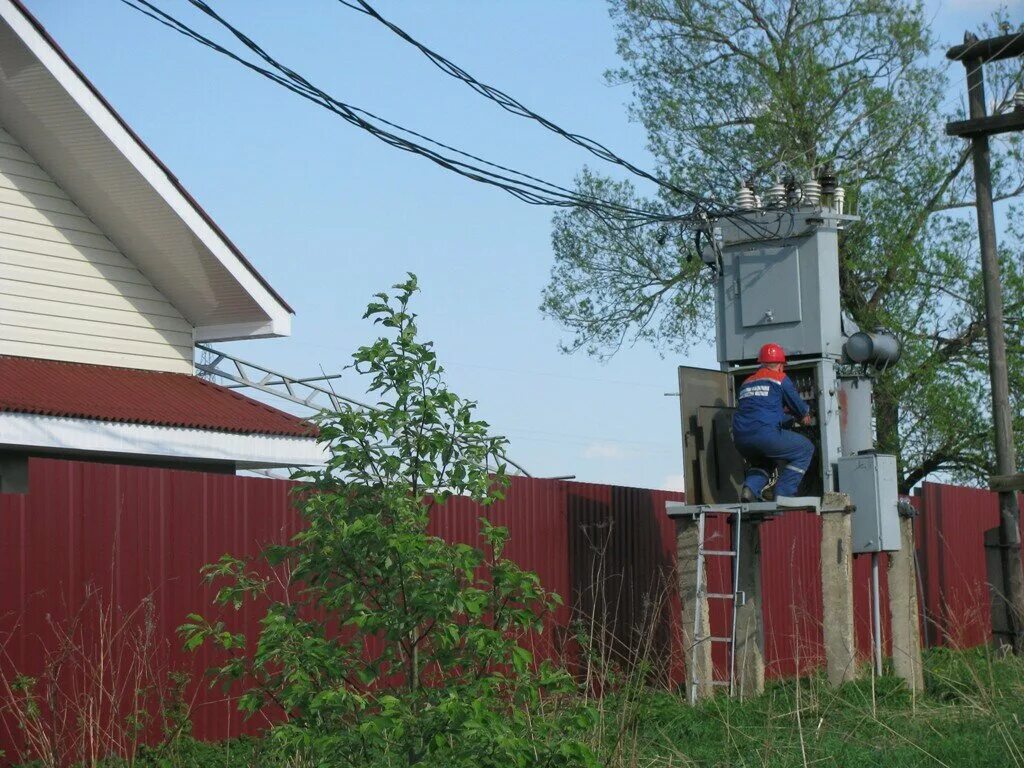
{"x":123,"y":537}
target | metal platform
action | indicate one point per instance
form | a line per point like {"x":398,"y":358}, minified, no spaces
{"x":750,"y":510}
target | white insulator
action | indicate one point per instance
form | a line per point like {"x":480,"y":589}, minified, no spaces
{"x":745,"y":198}
{"x":1018,"y":101}
{"x":777,"y":194}
{"x":757,"y":201}
{"x":812,"y":193}
{"x":793,"y":195}
{"x":840,"y":199}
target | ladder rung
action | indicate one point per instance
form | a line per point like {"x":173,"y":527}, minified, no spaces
{"x":720,"y":639}
{"x":721,"y":595}
{"x":718,"y":682}
{"x":722,"y":552}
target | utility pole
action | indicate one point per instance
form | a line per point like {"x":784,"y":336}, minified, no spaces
{"x":974,"y":53}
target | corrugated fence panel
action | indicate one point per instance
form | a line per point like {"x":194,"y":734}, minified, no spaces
{"x":863,"y":615}
{"x":622,"y":560}
{"x":127,"y":543}
{"x":952,"y":556}
{"x":791,"y":591}
{"x":538,"y":541}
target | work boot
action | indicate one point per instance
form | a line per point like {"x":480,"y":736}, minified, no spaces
{"x":747,"y":496}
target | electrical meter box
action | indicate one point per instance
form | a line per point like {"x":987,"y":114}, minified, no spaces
{"x":870,"y":481}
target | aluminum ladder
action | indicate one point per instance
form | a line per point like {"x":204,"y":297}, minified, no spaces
{"x":737,"y":597}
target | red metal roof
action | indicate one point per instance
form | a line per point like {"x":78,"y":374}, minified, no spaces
{"x":53,"y":388}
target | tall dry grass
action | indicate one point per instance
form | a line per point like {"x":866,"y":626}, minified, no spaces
{"x":103,"y":688}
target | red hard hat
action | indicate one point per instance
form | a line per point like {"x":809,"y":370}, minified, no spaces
{"x":771,"y":353}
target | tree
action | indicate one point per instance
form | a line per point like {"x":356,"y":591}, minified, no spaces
{"x":734,"y":89}
{"x":381,"y":644}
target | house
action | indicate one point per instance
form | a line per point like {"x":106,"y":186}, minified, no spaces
{"x":110,"y":273}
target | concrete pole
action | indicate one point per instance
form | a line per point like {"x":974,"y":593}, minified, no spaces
{"x":903,"y":610}
{"x":697,"y":656}
{"x":837,"y":597}
{"x":1006,"y":460}
{"x":749,"y":646}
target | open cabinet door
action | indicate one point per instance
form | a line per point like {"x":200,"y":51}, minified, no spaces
{"x":713,"y":468}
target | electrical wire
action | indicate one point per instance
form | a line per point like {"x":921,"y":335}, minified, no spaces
{"x":703,"y":209}
{"x":525,"y":187}
{"x":514,"y":106}
{"x":528,"y":188}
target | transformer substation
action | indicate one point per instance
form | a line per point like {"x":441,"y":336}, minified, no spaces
{"x":776,"y":268}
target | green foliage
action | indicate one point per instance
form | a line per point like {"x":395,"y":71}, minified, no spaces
{"x":874,"y":723}
{"x":865,"y":723}
{"x":387,"y":645}
{"x":733,"y":89}
{"x":958,"y":676}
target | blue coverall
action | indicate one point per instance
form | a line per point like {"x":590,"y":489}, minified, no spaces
{"x":757,"y":428}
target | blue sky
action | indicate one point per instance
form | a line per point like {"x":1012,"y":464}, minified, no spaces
{"x":330,"y":215}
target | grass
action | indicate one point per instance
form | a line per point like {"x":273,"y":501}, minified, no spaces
{"x":970,"y":715}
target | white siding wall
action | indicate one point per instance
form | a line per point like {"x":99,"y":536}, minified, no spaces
{"x":66,"y":292}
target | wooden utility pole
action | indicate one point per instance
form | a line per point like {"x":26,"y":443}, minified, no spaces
{"x":974,"y":53}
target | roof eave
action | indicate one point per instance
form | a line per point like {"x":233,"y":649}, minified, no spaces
{"x":156,"y":174}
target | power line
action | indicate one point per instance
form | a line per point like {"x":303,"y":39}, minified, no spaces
{"x":526,"y":187}
{"x":514,"y":106}
{"x":703,"y":210}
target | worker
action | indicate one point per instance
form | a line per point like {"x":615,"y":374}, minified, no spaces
{"x":768,"y":402}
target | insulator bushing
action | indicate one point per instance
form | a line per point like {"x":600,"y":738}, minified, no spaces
{"x":745,"y":198}
{"x":811,"y":193}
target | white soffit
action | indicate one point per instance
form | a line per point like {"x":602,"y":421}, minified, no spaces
{"x":78,"y":139}
{"x":26,"y":431}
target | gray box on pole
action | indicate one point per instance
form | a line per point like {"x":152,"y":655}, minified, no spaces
{"x":870,"y":481}
{"x":780,"y":283}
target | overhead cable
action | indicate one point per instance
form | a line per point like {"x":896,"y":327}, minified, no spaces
{"x":528,"y":188}
{"x":516,"y":107}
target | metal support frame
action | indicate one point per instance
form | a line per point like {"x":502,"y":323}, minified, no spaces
{"x":307,"y":392}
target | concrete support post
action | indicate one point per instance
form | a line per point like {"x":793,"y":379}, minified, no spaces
{"x":697,"y":656}
{"x":837,"y":597}
{"x":903,"y":610}
{"x":749,"y":619}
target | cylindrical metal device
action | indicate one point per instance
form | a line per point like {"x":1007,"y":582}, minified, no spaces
{"x":855,"y":432}
{"x":879,"y":349}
